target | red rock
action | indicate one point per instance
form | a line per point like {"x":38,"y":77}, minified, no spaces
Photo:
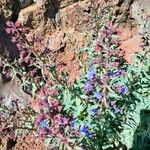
{"x":131,"y":46}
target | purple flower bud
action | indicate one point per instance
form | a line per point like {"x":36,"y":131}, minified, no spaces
{"x":116,"y":85}
{"x":94,"y":111}
{"x":115,"y":73}
{"x":111,"y":73}
{"x":9,"y":23}
{"x":91,"y":134}
{"x":118,"y":110}
{"x":124,"y":90}
{"x":64,"y":121}
{"x":121,"y":88}
{"x":39,"y":119}
{"x":18,"y":24}
{"x":113,"y":103}
{"x":42,"y":132}
{"x":86,"y":132}
{"x":119,"y":72}
{"x":91,"y":74}
{"x":84,"y":129}
{"x":98,"y":95}
{"x":8,"y":30}
{"x":73,"y":123}
{"x":88,"y":87}
{"x":44,"y":124}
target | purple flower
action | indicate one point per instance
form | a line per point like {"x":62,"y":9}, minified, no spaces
{"x":118,"y":110}
{"x":86,"y":132}
{"x":111,"y":73}
{"x":113,"y":103}
{"x":121,"y":88}
{"x":91,"y":74}
{"x":44,"y":124}
{"x":98,"y":95}
{"x":124,"y":90}
{"x":84,"y":129}
{"x":42,"y":132}
{"x":94,"y":111}
{"x":73,"y":123}
{"x":39,"y":119}
{"x":88,"y":87}
{"x":64,"y":120}
{"x":117,"y":86}
{"x":115,"y":73}
{"x":91,"y":134}
{"x":119,"y":72}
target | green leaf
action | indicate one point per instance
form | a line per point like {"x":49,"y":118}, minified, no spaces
{"x":67,"y":100}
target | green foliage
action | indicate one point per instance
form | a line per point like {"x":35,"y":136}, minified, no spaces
{"x":136,"y":127}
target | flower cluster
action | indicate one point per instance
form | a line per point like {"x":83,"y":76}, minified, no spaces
{"x":35,"y":58}
{"x":18,"y":33}
{"x":106,"y":67}
{"x":104,"y":86}
{"x":86,"y":131}
{"x":51,"y":121}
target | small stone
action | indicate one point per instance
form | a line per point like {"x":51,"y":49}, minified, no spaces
{"x":13,"y":94}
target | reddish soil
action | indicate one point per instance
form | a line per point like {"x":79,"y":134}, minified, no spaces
{"x":131,"y":42}
{"x":29,"y":142}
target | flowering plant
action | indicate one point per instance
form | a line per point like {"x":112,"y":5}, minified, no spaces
{"x":91,"y":113}
{"x":100,"y":102}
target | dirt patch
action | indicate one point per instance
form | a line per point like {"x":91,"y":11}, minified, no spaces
{"x":29,"y":142}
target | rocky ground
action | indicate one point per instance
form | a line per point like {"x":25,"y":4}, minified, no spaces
{"x":69,"y":25}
